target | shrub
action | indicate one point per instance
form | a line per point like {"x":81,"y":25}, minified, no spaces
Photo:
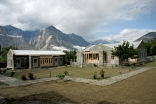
{"x":65,"y":72}
{"x":12,"y":73}
{"x":0,"y":71}
{"x":60,"y":75}
{"x":31,"y":76}
{"x":65,"y":65}
{"x":102,"y":73}
{"x":133,"y":66}
{"x":94,"y":75}
{"x":4,"y":71}
{"x":23,"y":76}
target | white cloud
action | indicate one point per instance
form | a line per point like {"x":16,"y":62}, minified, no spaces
{"x":70,"y":16}
{"x":128,"y":34}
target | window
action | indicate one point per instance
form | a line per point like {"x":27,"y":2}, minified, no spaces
{"x":18,"y":61}
{"x":51,"y":60}
{"x":41,"y":60}
{"x":60,"y":59}
{"x":35,"y":60}
{"x":55,"y":60}
{"x":46,"y":60}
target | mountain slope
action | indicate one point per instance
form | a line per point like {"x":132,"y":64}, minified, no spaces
{"x":26,"y":35}
{"x":10,"y":40}
{"x":100,"y":41}
{"x":148,"y":36}
{"x":51,"y":37}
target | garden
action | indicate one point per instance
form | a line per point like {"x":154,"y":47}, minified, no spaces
{"x":86,"y":72}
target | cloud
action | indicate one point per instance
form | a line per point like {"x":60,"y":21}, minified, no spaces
{"x":82,"y":17}
{"x":128,"y":34}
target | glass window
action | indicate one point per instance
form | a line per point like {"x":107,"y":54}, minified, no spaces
{"x":35,"y":60}
{"x":17,"y":61}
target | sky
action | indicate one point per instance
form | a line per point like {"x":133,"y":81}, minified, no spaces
{"x":111,"y":20}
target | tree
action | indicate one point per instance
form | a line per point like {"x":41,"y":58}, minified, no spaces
{"x":70,"y":55}
{"x":151,"y":47}
{"x":125,"y":51}
{"x":4,"y":52}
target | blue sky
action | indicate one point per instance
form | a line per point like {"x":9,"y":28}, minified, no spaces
{"x":92,"y":19}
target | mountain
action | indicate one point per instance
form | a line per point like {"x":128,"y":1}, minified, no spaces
{"x":7,"y":39}
{"x":52,"y":37}
{"x":100,"y":41}
{"x":26,"y":35}
{"x":148,"y":36}
{"x":2,"y":31}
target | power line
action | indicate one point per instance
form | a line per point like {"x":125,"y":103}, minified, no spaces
{"x":64,"y":10}
{"x":72,"y":11}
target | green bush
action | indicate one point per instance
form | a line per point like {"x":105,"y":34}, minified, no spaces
{"x":133,"y":66}
{"x":65,"y":72}
{"x":102,"y":73}
{"x":94,"y":75}
{"x":12,"y":73}
{"x":23,"y":76}
{"x":60,"y":75}
{"x":4,"y":71}
{"x":31,"y":76}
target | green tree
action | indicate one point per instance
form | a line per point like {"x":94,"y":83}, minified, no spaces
{"x":125,"y":51}
{"x":70,"y":55}
{"x":4,"y":52}
{"x":151,"y":47}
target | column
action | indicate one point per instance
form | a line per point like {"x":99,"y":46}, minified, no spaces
{"x":29,"y":62}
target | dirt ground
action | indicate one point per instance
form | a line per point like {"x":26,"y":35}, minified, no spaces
{"x":139,"y":89}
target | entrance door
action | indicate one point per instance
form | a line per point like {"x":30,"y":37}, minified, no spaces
{"x":56,"y":61}
{"x":18,"y":63}
{"x":35,"y":62}
{"x":104,"y":57}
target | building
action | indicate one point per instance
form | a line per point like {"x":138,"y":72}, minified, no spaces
{"x":100,"y":55}
{"x":21,"y":59}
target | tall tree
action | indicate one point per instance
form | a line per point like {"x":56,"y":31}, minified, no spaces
{"x":125,"y":51}
{"x":70,"y":55}
{"x":4,"y":52}
{"x":151,"y":47}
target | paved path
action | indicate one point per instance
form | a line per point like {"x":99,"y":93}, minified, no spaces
{"x":17,"y":82}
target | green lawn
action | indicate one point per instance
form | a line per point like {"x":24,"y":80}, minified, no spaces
{"x":150,"y":64}
{"x":86,"y":72}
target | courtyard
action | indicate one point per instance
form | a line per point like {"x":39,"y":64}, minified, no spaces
{"x":139,"y":89}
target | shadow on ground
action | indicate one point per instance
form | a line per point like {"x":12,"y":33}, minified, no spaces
{"x":105,"y":102}
{"x":42,"y":98}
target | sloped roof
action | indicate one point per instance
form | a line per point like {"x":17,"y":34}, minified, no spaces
{"x":88,"y":48}
{"x":136,"y":44}
{"x":37,"y":52}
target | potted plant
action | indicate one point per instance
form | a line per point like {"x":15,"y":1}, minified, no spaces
{"x":102,"y":73}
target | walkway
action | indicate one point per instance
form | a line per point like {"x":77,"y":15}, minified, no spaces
{"x":105,"y":82}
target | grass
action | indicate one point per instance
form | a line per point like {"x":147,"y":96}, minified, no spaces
{"x":86,"y":72}
{"x":150,"y":64}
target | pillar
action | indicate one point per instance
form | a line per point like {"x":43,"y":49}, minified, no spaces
{"x":29,"y":62}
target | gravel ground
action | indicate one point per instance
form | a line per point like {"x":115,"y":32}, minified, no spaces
{"x":139,"y":89}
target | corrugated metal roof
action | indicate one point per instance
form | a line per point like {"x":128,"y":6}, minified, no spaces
{"x":37,"y":52}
